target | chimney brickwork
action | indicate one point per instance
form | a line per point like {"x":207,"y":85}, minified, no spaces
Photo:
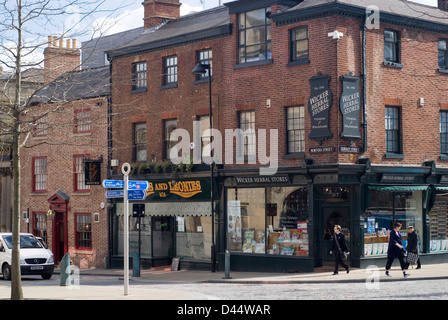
{"x":158,"y":11}
{"x":60,"y":59}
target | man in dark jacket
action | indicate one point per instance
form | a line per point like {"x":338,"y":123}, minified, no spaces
{"x":339,"y":237}
{"x":396,"y":250}
{"x":412,"y":245}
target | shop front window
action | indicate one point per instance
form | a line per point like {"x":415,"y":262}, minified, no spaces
{"x":438,"y":224}
{"x":385,"y":208}
{"x":268,"y":220}
{"x":193,"y":237}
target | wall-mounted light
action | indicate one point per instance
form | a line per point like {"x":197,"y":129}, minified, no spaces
{"x":421,"y":102}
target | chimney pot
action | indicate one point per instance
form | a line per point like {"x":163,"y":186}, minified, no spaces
{"x":68,"y":42}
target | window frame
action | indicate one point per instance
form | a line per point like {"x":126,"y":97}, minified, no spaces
{"x":246,"y":142}
{"x":393,"y":134}
{"x":265,"y":43}
{"x":39,"y":225}
{"x":139,"y":76}
{"x":170,"y":72}
{"x":442,"y":53}
{"x":292,"y":131}
{"x":34,"y":174}
{"x":79,"y":184}
{"x":77,"y":231}
{"x":82,"y":121}
{"x":443,"y":133}
{"x":136,"y":145}
{"x":293,"y":59}
{"x":205,"y":56}
{"x":167,"y":143}
{"x":394,"y":47}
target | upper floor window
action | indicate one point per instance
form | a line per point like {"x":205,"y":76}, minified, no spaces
{"x":299,"y":44}
{"x":443,"y":129}
{"x":79,"y":174}
{"x":247,"y":126}
{"x":82,"y":121}
{"x":170,"y":70}
{"x":254,"y":35}
{"x":39,"y":174}
{"x":140,"y":142}
{"x":204,"y":122}
{"x":391,"y":46}
{"x":40,"y":127}
{"x":205,"y":57}
{"x":139,"y":76}
{"x":393,"y":134}
{"x":443,"y":54}
{"x":169,"y":127}
{"x":295,"y":126}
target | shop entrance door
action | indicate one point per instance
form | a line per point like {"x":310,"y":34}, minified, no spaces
{"x":331,"y":217}
{"x":60,"y":247}
{"x":162,"y":240}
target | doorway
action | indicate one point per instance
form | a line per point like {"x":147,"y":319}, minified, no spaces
{"x":333,"y":208}
{"x":60,"y":246}
{"x":162,"y":240}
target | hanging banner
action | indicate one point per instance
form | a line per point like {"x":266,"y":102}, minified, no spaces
{"x":349,"y":105}
{"x":319,"y":105}
{"x":92,"y":172}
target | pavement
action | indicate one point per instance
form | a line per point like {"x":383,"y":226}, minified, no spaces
{"x":162,"y":275}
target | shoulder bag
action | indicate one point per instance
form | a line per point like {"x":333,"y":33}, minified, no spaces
{"x":411,"y":258}
{"x":342,"y":254}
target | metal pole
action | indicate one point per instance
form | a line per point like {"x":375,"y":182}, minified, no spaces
{"x":213,"y":253}
{"x":125,"y":169}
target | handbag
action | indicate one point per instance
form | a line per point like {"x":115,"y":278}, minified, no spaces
{"x":411,"y":258}
{"x":342,"y":254}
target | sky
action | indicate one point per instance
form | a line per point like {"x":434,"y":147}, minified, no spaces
{"x":112,"y":16}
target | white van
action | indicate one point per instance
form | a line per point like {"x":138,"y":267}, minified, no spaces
{"x":35,"y":259}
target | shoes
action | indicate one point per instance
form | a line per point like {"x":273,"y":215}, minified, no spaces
{"x":418,"y":267}
{"x":335,"y":273}
{"x":387,"y":274}
{"x":406,"y":274}
{"x":348,"y":270}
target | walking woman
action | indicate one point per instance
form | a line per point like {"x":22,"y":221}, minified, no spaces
{"x":395,"y":250}
{"x":339,"y":246}
{"x":413,"y":244}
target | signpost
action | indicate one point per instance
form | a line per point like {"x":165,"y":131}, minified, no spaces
{"x":125,"y":169}
{"x":132,"y":194}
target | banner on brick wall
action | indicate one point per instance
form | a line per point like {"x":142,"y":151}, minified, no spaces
{"x":319,"y":105}
{"x":350,"y":105}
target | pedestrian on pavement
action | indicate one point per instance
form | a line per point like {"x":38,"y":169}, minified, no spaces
{"x":396,"y":250}
{"x":412,"y":245}
{"x":339,"y":245}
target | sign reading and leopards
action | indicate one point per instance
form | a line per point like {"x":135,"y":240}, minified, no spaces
{"x":349,"y":105}
{"x":319,"y":105}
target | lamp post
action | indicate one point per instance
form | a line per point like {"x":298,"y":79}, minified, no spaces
{"x":201,"y":69}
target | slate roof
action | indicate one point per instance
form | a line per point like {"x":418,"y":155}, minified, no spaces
{"x":76,"y":85}
{"x":395,"y":11}
{"x":196,"y":26}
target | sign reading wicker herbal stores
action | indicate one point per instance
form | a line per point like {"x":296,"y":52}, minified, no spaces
{"x":319,"y":105}
{"x":349,"y":105}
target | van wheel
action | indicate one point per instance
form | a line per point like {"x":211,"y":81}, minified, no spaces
{"x":46,"y":276}
{"x":6,"y":270}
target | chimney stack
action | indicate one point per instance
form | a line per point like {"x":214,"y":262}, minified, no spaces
{"x":59,"y":59}
{"x":443,"y":5}
{"x":158,"y":11}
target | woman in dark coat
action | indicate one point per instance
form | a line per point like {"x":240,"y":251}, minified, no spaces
{"x":412,"y":245}
{"x":338,"y":236}
{"x":395,"y":250}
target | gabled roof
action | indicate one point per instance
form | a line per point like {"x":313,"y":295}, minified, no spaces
{"x":193,"y":27}
{"x":399,"y":12}
{"x":76,"y":85}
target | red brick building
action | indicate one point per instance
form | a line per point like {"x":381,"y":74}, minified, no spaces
{"x":354,"y":97}
{"x":66,"y":126}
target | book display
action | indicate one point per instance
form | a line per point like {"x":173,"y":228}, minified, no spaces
{"x":289,"y":241}
{"x":438,"y":218}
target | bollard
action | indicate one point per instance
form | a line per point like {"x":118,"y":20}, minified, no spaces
{"x":135,"y":265}
{"x":65,"y":271}
{"x":227,"y":265}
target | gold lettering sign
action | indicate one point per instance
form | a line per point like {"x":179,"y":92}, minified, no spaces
{"x":184,"y":189}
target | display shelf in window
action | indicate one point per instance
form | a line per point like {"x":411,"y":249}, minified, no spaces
{"x":289,"y":241}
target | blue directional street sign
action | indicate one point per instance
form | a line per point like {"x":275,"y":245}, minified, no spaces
{"x":138,"y":185}
{"x":136,"y":195}
{"x":115,"y":194}
{"x":113,"y":184}
{"x":132,"y":194}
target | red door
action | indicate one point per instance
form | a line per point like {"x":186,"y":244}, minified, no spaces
{"x":60,"y":245}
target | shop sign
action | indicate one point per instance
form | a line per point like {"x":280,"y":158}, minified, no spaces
{"x":195,"y":189}
{"x":443,"y":179}
{"x":349,"y":105}
{"x":92,"y":172}
{"x":319,"y":105}
{"x":322,"y":150}
{"x":282,"y":179}
{"x":396,"y":178}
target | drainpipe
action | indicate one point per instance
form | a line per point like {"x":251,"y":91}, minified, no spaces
{"x":364,"y":85}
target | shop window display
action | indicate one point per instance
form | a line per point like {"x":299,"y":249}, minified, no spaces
{"x":438,"y":225}
{"x":268,"y":220}
{"x":385,"y":208}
